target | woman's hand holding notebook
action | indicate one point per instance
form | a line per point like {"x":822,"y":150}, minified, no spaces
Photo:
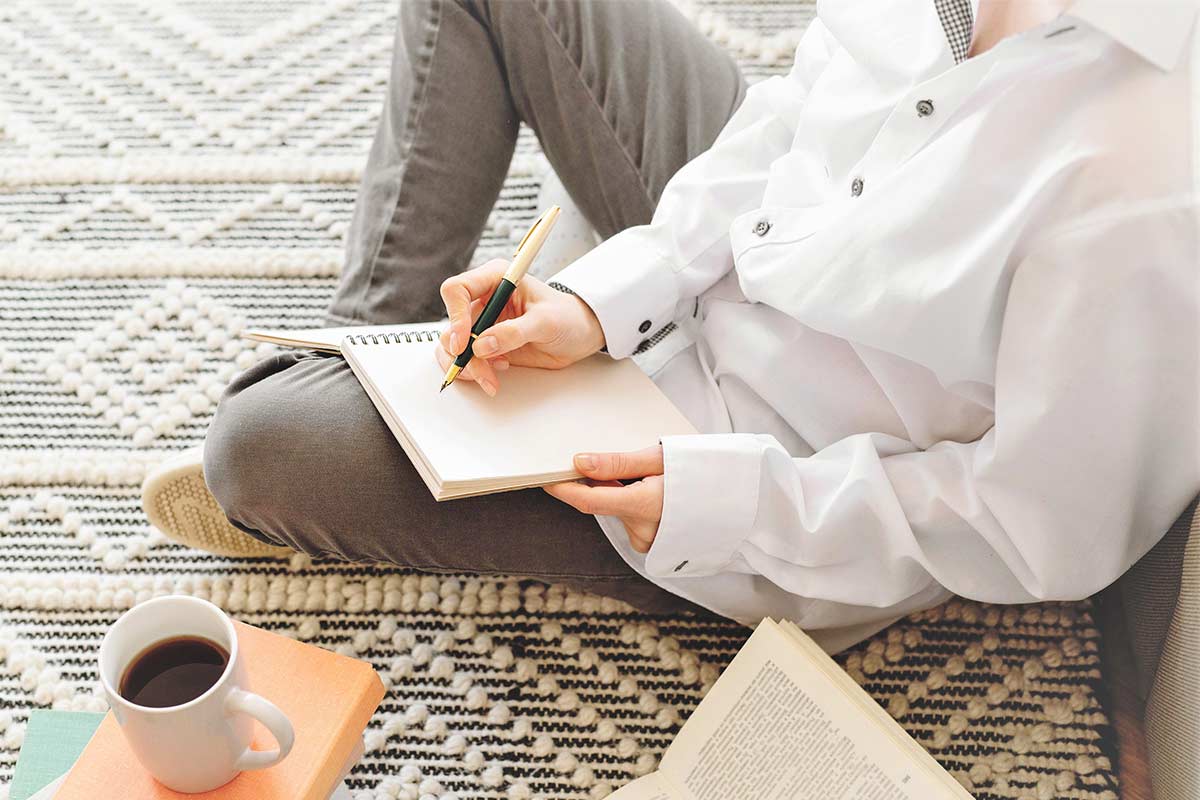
{"x":465,"y":443}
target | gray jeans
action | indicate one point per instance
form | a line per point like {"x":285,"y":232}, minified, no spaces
{"x":621,"y":94}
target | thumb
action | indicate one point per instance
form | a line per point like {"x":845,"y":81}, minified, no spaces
{"x":620,"y":466}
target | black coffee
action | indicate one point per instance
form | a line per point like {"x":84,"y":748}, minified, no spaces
{"x":173,"y":671}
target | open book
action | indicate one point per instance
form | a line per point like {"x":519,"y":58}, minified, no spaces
{"x":784,"y":722}
{"x":464,"y":443}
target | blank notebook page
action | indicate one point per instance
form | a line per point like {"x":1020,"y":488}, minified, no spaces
{"x":464,"y":442}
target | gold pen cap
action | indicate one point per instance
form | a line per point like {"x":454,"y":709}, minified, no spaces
{"x":531,"y":244}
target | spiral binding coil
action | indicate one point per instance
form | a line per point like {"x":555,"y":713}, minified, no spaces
{"x":409,"y":337}
{"x":396,"y":337}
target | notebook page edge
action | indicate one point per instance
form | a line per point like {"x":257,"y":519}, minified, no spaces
{"x":280,"y":341}
{"x":427,"y":472}
{"x":459,"y":490}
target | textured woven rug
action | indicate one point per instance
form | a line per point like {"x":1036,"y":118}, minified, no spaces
{"x":170,"y":172}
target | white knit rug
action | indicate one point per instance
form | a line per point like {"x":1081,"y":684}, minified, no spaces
{"x":170,"y":172}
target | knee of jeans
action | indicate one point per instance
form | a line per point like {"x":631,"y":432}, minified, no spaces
{"x":265,"y":454}
{"x":232,"y":465}
{"x":245,"y":466}
{"x":255,"y":480}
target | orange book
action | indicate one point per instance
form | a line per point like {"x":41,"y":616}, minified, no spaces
{"x":328,"y":698}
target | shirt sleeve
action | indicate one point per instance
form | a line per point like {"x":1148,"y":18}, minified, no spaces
{"x":636,"y":280}
{"x":1094,"y":451}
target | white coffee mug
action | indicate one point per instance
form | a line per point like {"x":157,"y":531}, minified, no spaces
{"x":205,"y":742}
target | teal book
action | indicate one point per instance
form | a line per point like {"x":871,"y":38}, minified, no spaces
{"x":53,"y":741}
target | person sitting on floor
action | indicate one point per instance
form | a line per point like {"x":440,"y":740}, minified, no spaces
{"x":931,"y":299}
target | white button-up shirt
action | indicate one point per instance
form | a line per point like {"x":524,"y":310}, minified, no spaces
{"x":938,"y":323}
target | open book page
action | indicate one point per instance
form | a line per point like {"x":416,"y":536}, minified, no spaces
{"x":777,"y":726}
{"x":648,"y":787}
{"x":820,"y":659}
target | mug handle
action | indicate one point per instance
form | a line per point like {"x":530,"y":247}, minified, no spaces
{"x":266,"y":712}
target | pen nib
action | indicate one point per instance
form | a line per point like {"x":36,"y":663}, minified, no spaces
{"x":444,"y":385}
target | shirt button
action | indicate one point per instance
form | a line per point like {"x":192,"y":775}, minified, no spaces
{"x":762,"y":227}
{"x":924,"y":108}
{"x":645,"y":326}
{"x":856,"y":187}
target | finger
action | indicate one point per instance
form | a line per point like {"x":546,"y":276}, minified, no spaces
{"x":444,"y":359}
{"x":504,"y":337}
{"x":479,"y":370}
{"x":458,"y":291}
{"x":444,"y":336}
{"x":641,"y":534}
{"x":619,"y":466}
{"x":615,"y":501}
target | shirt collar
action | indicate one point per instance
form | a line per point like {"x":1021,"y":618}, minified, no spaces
{"x":1157,"y":30}
{"x":906,"y":39}
{"x":899,"y":41}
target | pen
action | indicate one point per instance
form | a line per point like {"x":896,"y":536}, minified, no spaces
{"x":527,"y":250}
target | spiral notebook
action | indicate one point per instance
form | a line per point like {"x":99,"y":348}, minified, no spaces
{"x":464,"y":443}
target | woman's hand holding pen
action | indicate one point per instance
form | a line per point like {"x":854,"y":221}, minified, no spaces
{"x":543,"y":327}
{"x":540,"y":327}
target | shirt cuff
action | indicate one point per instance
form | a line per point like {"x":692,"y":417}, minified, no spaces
{"x":710,"y":500}
{"x":630,"y":287}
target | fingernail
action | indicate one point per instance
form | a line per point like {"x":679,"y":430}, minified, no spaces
{"x":586,"y":462}
{"x":485,"y":345}
{"x":488,"y":387}
{"x":501,"y":364}
{"x":454,"y":344}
